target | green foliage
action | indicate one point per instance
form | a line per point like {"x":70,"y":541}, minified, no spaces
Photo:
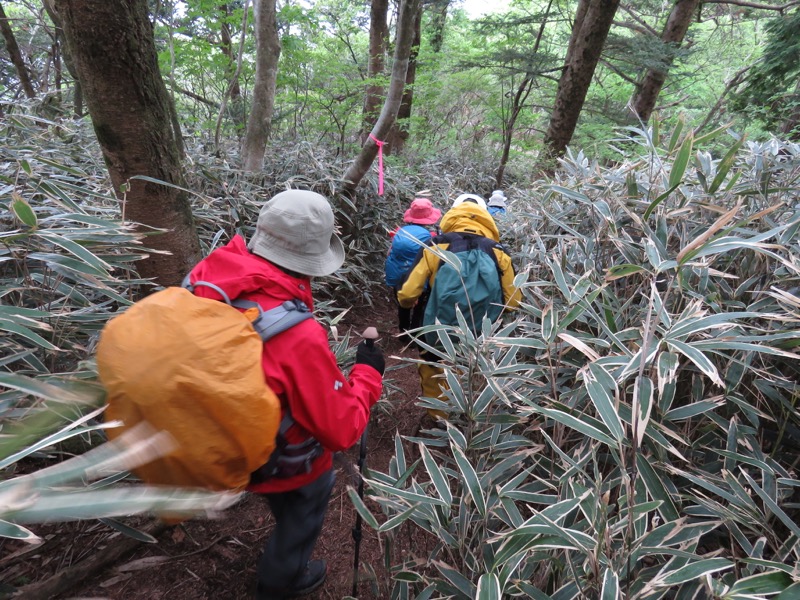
{"x":770,"y":92}
{"x":632,"y":429}
{"x":66,"y":258}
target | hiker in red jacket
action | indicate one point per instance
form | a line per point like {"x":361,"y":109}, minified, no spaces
{"x":294,"y":241}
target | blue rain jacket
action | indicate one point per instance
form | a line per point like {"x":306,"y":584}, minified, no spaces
{"x":407,"y":242}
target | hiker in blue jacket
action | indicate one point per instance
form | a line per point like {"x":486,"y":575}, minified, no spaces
{"x":406,"y":243}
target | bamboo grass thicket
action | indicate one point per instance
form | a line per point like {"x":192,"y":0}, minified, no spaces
{"x":631,"y":431}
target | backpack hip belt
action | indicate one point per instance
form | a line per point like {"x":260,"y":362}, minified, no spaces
{"x":288,"y":460}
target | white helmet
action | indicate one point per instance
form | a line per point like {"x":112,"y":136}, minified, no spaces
{"x":471,"y":197}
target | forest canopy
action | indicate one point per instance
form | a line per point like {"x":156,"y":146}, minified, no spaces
{"x":475,"y":81}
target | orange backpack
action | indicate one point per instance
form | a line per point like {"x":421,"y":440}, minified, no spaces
{"x":192,"y":366}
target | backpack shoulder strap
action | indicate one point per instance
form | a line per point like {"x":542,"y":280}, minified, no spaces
{"x":488,"y":245}
{"x":188,"y":285}
{"x":455,"y":241}
{"x":268,"y":323}
{"x":473,"y":241}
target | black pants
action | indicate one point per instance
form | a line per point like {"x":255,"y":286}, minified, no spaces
{"x":299,"y":515}
{"x":411,"y":318}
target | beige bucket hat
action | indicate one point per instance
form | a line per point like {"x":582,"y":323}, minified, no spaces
{"x":295,"y":231}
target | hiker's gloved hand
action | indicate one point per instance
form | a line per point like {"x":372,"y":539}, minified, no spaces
{"x":371,"y":355}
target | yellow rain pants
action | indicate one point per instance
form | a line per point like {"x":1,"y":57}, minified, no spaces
{"x":433,"y":386}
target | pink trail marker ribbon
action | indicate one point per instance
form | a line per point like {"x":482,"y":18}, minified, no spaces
{"x":380,"y":163}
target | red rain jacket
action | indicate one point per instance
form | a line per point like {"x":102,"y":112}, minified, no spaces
{"x":298,"y":363}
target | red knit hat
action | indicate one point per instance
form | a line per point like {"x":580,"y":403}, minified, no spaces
{"x":422,"y":212}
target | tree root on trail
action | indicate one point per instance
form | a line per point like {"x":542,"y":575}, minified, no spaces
{"x":71,"y":576}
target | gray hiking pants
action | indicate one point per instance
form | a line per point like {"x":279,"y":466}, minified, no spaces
{"x":299,"y":515}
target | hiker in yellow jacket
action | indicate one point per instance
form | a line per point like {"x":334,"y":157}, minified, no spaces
{"x":471,"y":219}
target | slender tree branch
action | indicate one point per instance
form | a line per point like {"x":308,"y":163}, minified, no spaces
{"x":680,"y":100}
{"x":618,"y":72}
{"x":639,"y":20}
{"x":194,"y":96}
{"x":779,"y":8}
{"x":634,"y":27}
{"x":734,"y":81}
{"x":346,"y":41}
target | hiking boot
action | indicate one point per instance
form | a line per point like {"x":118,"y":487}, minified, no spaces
{"x":309,"y":580}
{"x":312,"y":577}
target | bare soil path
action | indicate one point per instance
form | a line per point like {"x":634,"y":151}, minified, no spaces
{"x":216,"y":559}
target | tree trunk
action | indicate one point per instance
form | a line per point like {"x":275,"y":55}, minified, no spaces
{"x":77,"y":93}
{"x":403,"y":39}
{"x":268,"y":51}
{"x":592,"y":23}
{"x":650,"y":86}
{"x":378,"y":42}
{"x":791,"y":126}
{"x":521,"y":95}
{"x":16,"y":54}
{"x":399,"y":134}
{"x":226,"y":45}
{"x":112,"y":47}
{"x":438,"y":21}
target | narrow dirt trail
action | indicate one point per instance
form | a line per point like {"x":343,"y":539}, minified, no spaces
{"x":216,"y":559}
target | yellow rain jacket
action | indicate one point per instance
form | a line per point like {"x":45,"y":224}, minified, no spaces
{"x":467,"y":218}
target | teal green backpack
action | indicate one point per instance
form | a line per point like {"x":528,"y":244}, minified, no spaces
{"x":476,"y":289}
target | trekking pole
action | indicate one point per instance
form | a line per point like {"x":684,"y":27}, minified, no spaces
{"x":370,"y":335}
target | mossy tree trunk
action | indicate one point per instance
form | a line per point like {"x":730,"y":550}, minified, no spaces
{"x":113,"y":51}
{"x":438,"y":13}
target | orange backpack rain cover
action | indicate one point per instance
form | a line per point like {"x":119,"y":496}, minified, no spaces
{"x":191,"y":366}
